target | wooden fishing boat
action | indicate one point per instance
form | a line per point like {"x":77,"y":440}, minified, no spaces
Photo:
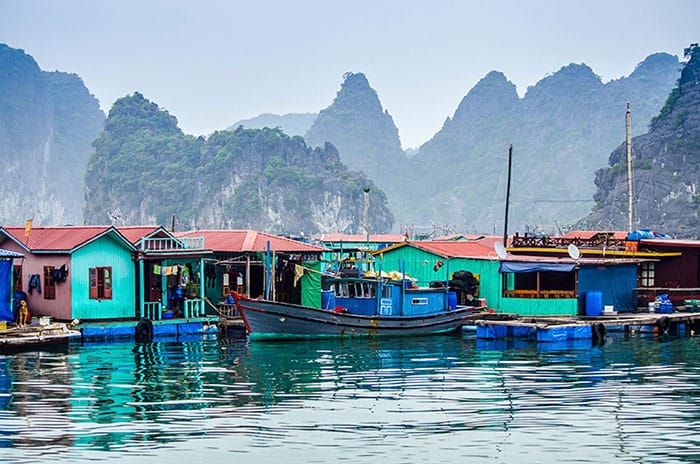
{"x":356,"y":307}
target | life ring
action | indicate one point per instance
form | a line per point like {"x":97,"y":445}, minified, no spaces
{"x":663,"y":324}
{"x":144,"y":331}
{"x":599,"y":331}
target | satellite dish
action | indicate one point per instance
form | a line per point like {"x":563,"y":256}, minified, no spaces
{"x":574,"y":252}
{"x":500,"y":250}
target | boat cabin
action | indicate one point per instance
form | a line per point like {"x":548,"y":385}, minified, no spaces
{"x":384,"y":297}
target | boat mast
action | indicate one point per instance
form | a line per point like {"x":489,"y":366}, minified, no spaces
{"x":505,"y":223}
{"x":629,"y":168}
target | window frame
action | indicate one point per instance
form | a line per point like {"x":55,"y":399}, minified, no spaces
{"x":49,"y":285}
{"x":100,"y":282}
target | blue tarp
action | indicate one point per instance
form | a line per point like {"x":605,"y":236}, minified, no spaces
{"x":616,"y":283}
{"x":512,"y":266}
{"x":6,"y":290}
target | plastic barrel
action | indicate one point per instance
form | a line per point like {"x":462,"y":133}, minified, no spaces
{"x":327,"y":299}
{"x":594,"y":303}
{"x":452,"y":300}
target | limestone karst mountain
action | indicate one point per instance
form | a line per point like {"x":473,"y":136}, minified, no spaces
{"x":48,"y":121}
{"x":665,"y":168}
{"x":144,"y":170}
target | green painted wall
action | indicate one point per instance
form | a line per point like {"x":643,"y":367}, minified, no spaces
{"x":104,"y":252}
{"x":533,"y":307}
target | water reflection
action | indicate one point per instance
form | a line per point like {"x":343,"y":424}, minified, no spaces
{"x":432,"y":398}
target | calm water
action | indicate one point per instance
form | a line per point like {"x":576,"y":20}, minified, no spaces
{"x":433,"y":399}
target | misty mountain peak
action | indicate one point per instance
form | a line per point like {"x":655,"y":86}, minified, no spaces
{"x":493,"y":94}
{"x":573,"y":79}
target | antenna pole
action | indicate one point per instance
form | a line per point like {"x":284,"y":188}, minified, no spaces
{"x":505,"y":223}
{"x":629,"y":168}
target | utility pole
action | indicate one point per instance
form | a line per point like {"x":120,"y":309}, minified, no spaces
{"x":366,"y":190}
{"x":629,"y":168}
{"x":505,"y":225}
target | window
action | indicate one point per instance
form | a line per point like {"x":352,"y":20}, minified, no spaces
{"x":540,"y":284}
{"x":646,"y":275}
{"x":101,"y":283}
{"x":49,"y":284}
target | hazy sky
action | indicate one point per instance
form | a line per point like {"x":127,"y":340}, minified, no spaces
{"x":211,"y":63}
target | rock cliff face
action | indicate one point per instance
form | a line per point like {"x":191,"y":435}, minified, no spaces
{"x":47,"y":124}
{"x":665,"y":190}
{"x":144,"y":170}
{"x":561,"y":130}
{"x":363,"y":132}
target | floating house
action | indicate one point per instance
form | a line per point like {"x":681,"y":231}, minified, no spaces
{"x":169,"y":272}
{"x":608,"y":269}
{"x":74,"y":272}
{"x":676,"y":273}
{"x":533,"y":278}
{"x":253,"y":263}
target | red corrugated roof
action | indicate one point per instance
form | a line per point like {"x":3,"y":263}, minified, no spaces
{"x":374,"y":238}
{"x":481,"y":248}
{"x":57,"y":238}
{"x":241,"y":241}
{"x":455,"y":237}
{"x":670,"y":242}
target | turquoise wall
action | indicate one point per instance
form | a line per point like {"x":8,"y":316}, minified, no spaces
{"x":542,"y":307}
{"x":104,"y":252}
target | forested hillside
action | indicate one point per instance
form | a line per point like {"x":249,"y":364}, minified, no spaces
{"x":145,"y":169}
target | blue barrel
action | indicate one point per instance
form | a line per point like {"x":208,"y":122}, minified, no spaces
{"x":452,"y":300}
{"x":328,"y":299}
{"x":594,"y":303}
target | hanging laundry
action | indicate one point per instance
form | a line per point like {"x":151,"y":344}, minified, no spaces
{"x":298,"y":272}
{"x":184,"y":276}
{"x":157,"y":269}
{"x":34,"y":283}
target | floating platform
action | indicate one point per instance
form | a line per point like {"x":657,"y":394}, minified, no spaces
{"x":146,"y":330}
{"x":556,"y":329}
{"x":38,"y":335}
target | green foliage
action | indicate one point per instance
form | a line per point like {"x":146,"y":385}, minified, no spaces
{"x":146,"y":167}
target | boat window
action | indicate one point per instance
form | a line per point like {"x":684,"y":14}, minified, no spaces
{"x":372,"y":290}
{"x":342,"y":290}
{"x":419,"y":301}
{"x":359,"y":290}
{"x":386,"y":291}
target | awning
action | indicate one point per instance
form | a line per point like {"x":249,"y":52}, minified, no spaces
{"x":513,"y":266}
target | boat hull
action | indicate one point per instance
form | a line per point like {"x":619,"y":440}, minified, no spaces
{"x":272,"y":320}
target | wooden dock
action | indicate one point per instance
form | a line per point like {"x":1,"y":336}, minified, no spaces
{"x":36,"y":336}
{"x":554,"y":329}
